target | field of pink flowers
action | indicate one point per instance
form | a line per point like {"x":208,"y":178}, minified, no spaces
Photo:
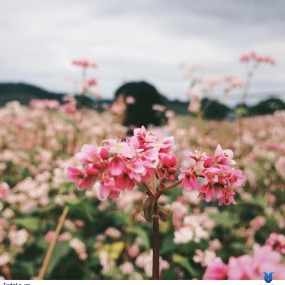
{"x":106,"y":239}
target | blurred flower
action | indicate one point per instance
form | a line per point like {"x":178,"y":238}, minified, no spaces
{"x":5,"y":258}
{"x":4,"y":190}
{"x":113,"y":232}
{"x":183,"y":235}
{"x":84,"y":63}
{"x":216,"y":271}
{"x":277,"y":242}
{"x":79,"y":247}
{"x":127,"y":268}
{"x":106,"y":262}
{"x":144,"y":260}
{"x":18,"y":237}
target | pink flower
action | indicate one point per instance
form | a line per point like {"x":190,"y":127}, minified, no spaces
{"x":69,"y":108}
{"x":88,"y":154}
{"x":108,"y":189}
{"x":226,"y":197}
{"x":134,"y":251}
{"x":116,"y":166}
{"x":236,"y":178}
{"x":84,"y":63}
{"x":189,"y":179}
{"x":277,"y":242}
{"x":4,"y":190}
{"x":84,"y":179}
{"x":252,"y":267}
{"x":224,"y":156}
{"x":91,"y":82}
{"x":216,"y":271}
{"x":255,"y":58}
{"x":208,"y":192}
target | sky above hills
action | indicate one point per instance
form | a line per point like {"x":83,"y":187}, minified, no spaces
{"x":141,"y":40}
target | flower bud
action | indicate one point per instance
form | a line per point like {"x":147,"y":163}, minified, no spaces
{"x":163,"y":213}
{"x":148,"y":208}
{"x":98,"y":165}
{"x":171,"y":170}
{"x":173,"y":161}
{"x":208,"y":162}
{"x":171,"y":178}
{"x":104,"y":154}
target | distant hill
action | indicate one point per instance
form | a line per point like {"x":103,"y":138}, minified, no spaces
{"x":268,"y":106}
{"x":213,"y":109}
{"x":24,"y":93}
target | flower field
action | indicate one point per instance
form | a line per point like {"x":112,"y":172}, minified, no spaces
{"x":110,"y":238}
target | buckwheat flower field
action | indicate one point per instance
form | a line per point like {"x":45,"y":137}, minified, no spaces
{"x":195,"y":199}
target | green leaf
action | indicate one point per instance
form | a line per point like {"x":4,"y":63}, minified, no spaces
{"x":141,"y":233}
{"x":73,"y":202}
{"x":61,"y":249}
{"x":81,"y":206}
{"x":23,"y":269}
{"x":225,"y":219}
{"x":167,"y":244}
{"x":184,"y":262}
{"x":258,"y":201}
{"x":29,"y":223}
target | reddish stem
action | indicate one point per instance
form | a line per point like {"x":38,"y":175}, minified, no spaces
{"x":155,"y":232}
{"x":162,"y":190}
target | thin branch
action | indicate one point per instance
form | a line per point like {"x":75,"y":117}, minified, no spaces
{"x":52,"y":244}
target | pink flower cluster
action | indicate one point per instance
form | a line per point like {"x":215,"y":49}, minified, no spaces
{"x":248,"y":267}
{"x":84,"y":63}
{"x":218,"y":174}
{"x":253,"y":57}
{"x":120,"y":165}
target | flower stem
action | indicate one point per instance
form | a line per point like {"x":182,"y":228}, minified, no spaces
{"x":52,"y":244}
{"x":155,"y":229}
{"x":162,"y":190}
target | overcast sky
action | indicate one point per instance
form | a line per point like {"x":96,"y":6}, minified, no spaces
{"x":140,"y":40}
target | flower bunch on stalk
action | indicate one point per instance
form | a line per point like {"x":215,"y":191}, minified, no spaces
{"x":144,"y":159}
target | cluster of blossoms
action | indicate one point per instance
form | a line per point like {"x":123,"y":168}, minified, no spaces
{"x":87,"y":83}
{"x":84,"y":63}
{"x":218,"y":174}
{"x":254,"y":57}
{"x":120,"y":165}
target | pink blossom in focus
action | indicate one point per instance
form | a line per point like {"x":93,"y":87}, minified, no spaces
{"x":120,"y":165}
{"x":189,"y":179}
{"x":224,"y":156}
